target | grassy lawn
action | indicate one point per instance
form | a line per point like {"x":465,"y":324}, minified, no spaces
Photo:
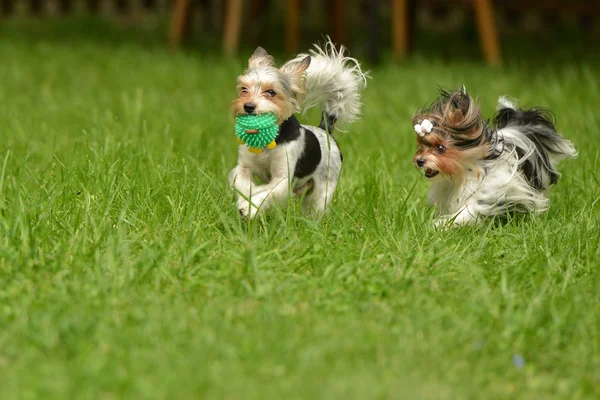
{"x":125,"y":271}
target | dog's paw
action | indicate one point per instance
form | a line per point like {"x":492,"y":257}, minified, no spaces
{"x":442,"y":222}
{"x":247,"y":210}
{"x":454,"y":221}
{"x":243,"y":208}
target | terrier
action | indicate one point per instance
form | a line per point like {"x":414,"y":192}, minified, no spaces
{"x":306,"y":160}
{"x":482,"y":169}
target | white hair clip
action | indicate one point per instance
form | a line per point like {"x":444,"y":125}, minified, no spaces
{"x":424,"y":127}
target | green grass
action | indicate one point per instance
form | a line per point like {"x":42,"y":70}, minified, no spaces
{"x":125,"y":271}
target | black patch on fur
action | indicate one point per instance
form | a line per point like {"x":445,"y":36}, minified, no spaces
{"x":311,"y":156}
{"x":328,"y":123}
{"x":289,"y":130}
{"x":496,"y":144}
{"x":534,"y":116}
{"x":466,"y":144}
{"x":529,"y":171}
{"x":537,"y":124}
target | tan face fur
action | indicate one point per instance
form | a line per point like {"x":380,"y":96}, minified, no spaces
{"x":439,"y":159}
{"x":264,"y":88}
{"x":457,"y":140}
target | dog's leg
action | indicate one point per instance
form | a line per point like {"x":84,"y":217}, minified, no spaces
{"x":265,"y":196}
{"x":467,"y":216}
{"x":283,"y":161}
{"x":325,"y":179}
{"x":317,"y":201}
{"x":240,"y":180}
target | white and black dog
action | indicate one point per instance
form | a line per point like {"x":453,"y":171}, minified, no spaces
{"x":306,"y":160}
{"x":484,"y":169}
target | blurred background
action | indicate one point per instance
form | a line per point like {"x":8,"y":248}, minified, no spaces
{"x":376,"y":30}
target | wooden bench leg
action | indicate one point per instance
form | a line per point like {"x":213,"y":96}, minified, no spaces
{"x":232,"y":26}
{"x":292,"y":29}
{"x":179,"y":20}
{"x":399,"y":29}
{"x":338,"y":22}
{"x":411,"y":23}
{"x":374,"y":22}
{"x":488,"y":35}
{"x":255,"y":11}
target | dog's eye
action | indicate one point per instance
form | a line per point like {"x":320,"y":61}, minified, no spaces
{"x":440,"y":149}
{"x":270,"y":92}
{"x":243,"y":90}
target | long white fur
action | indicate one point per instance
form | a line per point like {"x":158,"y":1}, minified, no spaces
{"x":333,"y":81}
{"x":505,"y":102}
{"x":487,"y":191}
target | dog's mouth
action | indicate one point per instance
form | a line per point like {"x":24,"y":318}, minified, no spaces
{"x":430,"y":173}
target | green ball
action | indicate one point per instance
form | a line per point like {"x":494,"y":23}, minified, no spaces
{"x":265,"y":124}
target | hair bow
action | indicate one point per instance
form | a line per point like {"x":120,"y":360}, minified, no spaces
{"x":424,"y":127}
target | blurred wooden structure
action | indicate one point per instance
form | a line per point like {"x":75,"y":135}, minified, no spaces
{"x":229,"y":16}
{"x":402,"y":12}
{"x":234,"y":16}
{"x":404,"y":15}
{"x":180,"y":17}
{"x":488,"y":33}
{"x":68,"y":7}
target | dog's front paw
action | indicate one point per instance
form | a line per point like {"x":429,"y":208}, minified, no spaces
{"x":243,"y":212}
{"x":246,"y":209}
{"x":442,"y":222}
{"x":463,"y":218}
{"x":243,"y":207}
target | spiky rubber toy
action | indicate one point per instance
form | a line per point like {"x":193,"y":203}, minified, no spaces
{"x":257,"y":131}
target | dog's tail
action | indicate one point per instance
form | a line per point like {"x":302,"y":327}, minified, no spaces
{"x":539,"y":147}
{"x":333,"y":82}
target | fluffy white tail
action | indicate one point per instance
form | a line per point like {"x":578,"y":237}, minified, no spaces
{"x":333,"y":82}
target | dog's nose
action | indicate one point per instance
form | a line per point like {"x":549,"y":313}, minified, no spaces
{"x":420,"y":162}
{"x":249,"y":108}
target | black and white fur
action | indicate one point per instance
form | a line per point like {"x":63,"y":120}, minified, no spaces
{"x":514,"y":176}
{"x":307,"y":160}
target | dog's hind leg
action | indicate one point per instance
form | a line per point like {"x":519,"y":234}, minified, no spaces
{"x":319,"y":197}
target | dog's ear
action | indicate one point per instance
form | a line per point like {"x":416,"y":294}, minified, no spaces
{"x":260,"y":58}
{"x":294,"y":70}
{"x":291,"y":68}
